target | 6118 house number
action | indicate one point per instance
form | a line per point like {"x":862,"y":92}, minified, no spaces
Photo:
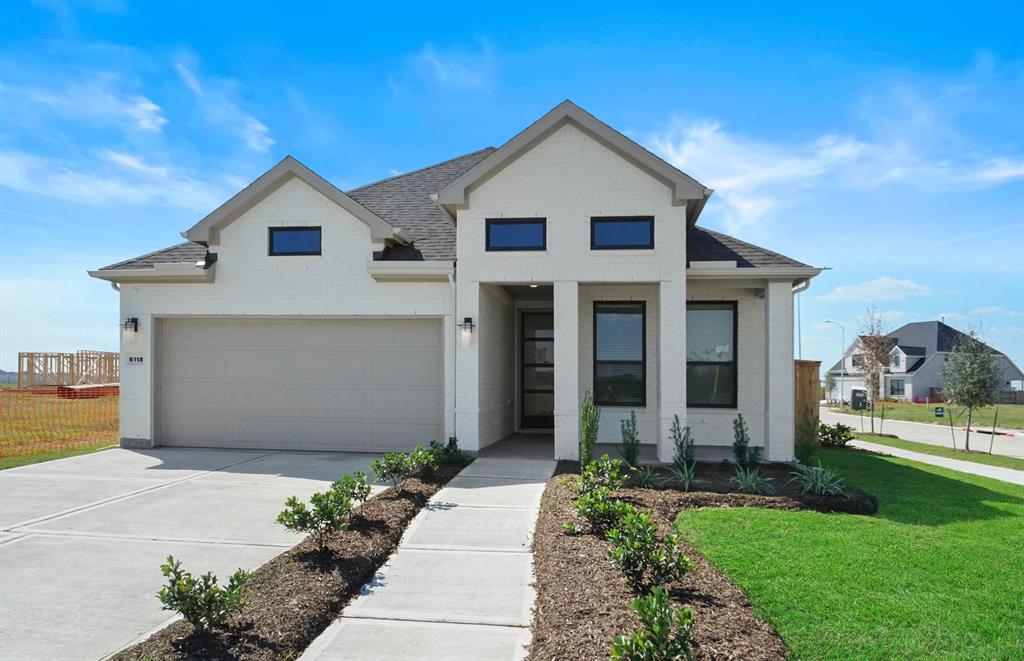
{"x":135,"y":359}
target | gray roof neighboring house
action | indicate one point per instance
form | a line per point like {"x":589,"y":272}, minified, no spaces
{"x":923,"y":338}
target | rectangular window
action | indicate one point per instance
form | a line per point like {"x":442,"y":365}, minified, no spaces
{"x":895,"y":360}
{"x":711,"y":354}
{"x":516,"y":234}
{"x":896,"y":387}
{"x":858,"y":359}
{"x":622,"y":233}
{"x":620,"y":354}
{"x":294,"y":241}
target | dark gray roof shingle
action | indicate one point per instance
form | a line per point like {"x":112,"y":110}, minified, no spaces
{"x":188,"y":253}
{"x":703,"y":245}
{"x":923,"y":338}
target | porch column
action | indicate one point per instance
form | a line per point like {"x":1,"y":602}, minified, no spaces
{"x":672,"y":362}
{"x":566,"y":301}
{"x":467,"y":376}
{"x":780,"y":414}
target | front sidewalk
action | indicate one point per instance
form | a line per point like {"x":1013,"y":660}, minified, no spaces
{"x":995,"y":472}
{"x":460,"y":584}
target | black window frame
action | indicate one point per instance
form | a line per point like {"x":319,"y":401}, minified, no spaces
{"x":598,"y":220}
{"x":903,"y":387}
{"x":642,"y":362}
{"x":490,"y":222}
{"x":735,"y":362}
{"x":294,"y":228}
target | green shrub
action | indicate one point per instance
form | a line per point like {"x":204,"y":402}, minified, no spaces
{"x":572,"y":528}
{"x":393,"y":467}
{"x":636,"y":552}
{"x":664,"y":636}
{"x":201,"y":601}
{"x":750,"y":480}
{"x":449,"y":454}
{"x":355,"y":486}
{"x":682,"y":441}
{"x":630,"y":447}
{"x":685,"y":475}
{"x":327,"y":513}
{"x":745,"y":456}
{"x":806,"y":440}
{"x":835,"y":436}
{"x":818,"y":480}
{"x":423,"y":462}
{"x":604,"y":473}
{"x":589,"y":419}
{"x":646,"y":478}
{"x":601,"y":510}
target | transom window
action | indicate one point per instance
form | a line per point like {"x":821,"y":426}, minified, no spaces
{"x":516,"y":234}
{"x":711,"y":355}
{"x":620,"y":354}
{"x":294,"y":241}
{"x":622,"y":232}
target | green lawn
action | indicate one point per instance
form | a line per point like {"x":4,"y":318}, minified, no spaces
{"x":935,"y":574}
{"x":938,"y":451}
{"x":1010,"y":415}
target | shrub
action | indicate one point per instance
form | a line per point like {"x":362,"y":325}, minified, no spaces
{"x":750,"y":480}
{"x":605,"y":473}
{"x":601,"y":510}
{"x":423,"y":461}
{"x":818,"y":480}
{"x":201,"y":601}
{"x":572,"y":528}
{"x":327,"y":513}
{"x":806,"y":439}
{"x":746,"y":457}
{"x":630,"y":447}
{"x":646,"y":478}
{"x":685,"y":475}
{"x":664,"y":636}
{"x":682,"y":441}
{"x":393,"y":467}
{"x":636,"y":552}
{"x":448,"y":454}
{"x":589,"y":419}
{"x":835,"y":436}
{"x":355,"y":486}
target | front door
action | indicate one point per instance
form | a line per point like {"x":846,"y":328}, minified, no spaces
{"x":537,"y":375}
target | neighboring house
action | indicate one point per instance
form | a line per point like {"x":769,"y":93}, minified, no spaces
{"x":919,"y":351}
{"x":477,"y":297}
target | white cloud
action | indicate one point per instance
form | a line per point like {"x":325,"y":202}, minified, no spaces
{"x":885,"y":288}
{"x":218,"y":105}
{"x":97,"y":98}
{"x":458,"y":68}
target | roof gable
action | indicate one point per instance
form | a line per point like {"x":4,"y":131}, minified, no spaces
{"x":684,"y":187}
{"x":207,"y":230}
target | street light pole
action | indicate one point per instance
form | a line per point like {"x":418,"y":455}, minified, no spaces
{"x":842,"y":361}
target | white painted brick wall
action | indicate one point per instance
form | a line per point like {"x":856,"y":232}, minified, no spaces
{"x":497,"y":379}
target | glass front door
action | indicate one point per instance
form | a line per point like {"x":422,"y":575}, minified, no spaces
{"x":537,"y":377}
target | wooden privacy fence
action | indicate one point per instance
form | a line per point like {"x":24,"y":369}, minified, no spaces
{"x":67,"y":369}
{"x":807,"y":393}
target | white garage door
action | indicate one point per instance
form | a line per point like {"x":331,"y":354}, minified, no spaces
{"x":300,"y":384}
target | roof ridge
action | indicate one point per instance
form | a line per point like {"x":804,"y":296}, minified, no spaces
{"x":418,"y":170}
{"x":150,"y":254}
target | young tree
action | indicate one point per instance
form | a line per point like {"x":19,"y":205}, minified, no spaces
{"x":830,"y":387}
{"x":971,"y":377}
{"x":875,"y":345}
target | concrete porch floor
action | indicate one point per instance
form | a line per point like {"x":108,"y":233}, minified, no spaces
{"x":524,"y":445}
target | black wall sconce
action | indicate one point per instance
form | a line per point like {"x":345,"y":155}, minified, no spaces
{"x":132,"y":324}
{"x":467,"y":324}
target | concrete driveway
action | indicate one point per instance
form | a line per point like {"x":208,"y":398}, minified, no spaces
{"x":82,"y":539}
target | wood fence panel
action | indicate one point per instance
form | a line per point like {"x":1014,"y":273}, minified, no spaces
{"x":808,"y":392}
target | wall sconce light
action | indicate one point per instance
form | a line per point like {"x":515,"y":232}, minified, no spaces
{"x":467,"y":330}
{"x":132,"y":324}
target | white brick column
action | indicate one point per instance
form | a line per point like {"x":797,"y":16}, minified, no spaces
{"x":672,"y":362}
{"x":567,"y":369}
{"x":467,"y":361}
{"x":780,"y":413}
{"x":137,"y":422}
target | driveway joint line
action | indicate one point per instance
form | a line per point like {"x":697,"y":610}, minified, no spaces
{"x":150,"y":538}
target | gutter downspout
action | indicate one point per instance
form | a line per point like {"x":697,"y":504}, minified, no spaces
{"x":115,"y":286}
{"x":453,"y":342}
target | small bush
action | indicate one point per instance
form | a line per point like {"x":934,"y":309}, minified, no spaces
{"x":818,"y":480}
{"x":835,"y":436}
{"x":601,"y":510}
{"x":646,"y":478}
{"x":355,"y":486}
{"x":201,"y":601}
{"x":572,"y":528}
{"x":685,"y":475}
{"x":448,"y":454}
{"x":682,"y":441}
{"x":423,"y":462}
{"x":746,"y":457}
{"x":806,"y":440}
{"x":750,"y":480}
{"x":664,"y":636}
{"x":630,"y":447}
{"x":327,"y":513}
{"x":589,"y":419}
{"x":604,"y":473}
{"x":393,"y":467}
{"x":636,"y":552}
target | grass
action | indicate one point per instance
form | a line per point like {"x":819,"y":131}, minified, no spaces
{"x":38,"y":427}
{"x":1010,"y":415}
{"x":936,"y":573}
{"x":939,"y":451}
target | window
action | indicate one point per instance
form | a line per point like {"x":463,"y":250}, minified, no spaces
{"x":895,"y":360}
{"x":896,"y":387}
{"x":711,"y":355}
{"x":620,"y":354}
{"x":857,"y":360}
{"x":294,"y":241}
{"x":622,"y":233}
{"x":516,"y":234}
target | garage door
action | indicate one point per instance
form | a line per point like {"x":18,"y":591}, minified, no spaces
{"x":299,"y":384}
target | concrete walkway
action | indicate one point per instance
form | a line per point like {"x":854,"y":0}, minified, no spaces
{"x":459,"y":585}
{"x":984,"y":470}
{"x":923,"y":432}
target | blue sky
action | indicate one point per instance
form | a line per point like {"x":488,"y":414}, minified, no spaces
{"x":884,"y":141}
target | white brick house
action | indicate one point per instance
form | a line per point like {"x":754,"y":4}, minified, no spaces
{"x":478,"y":297}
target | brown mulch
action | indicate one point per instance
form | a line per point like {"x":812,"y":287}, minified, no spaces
{"x":291,"y":599}
{"x":583,"y":600}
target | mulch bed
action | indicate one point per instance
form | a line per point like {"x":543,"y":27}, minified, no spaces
{"x":583,"y":600}
{"x":291,"y":599}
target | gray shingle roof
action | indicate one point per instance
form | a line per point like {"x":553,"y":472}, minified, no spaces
{"x":188,"y":253}
{"x":923,"y":338}
{"x":703,"y":245}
